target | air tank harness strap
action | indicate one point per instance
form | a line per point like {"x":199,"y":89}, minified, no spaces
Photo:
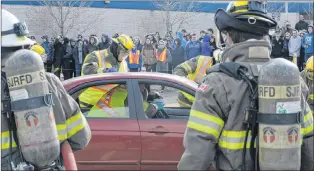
{"x":32,"y":103}
{"x":240,"y":72}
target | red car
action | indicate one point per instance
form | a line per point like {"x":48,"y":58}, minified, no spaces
{"x":135,"y":142}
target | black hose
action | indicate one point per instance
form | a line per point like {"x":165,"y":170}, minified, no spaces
{"x":244,"y":149}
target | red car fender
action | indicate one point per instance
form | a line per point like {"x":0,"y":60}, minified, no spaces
{"x":68,"y":156}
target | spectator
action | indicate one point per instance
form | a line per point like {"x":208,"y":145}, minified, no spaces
{"x":79,"y":37}
{"x":152,"y":38}
{"x":185,"y":34}
{"x":277,"y":45}
{"x":137,"y":42}
{"x":286,"y":29}
{"x":148,"y":55}
{"x":79,"y":55}
{"x":105,"y":42}
{"x":202,"y":34}
{"x":177,"y":53}
{"x":93,"y":42}
{"x":285,"y":49}
{"x":182,"y":39}
{"x":206,"y":47}
{"x":47,"y":46}
{"x":308,"y":43}
{"x":85,"y":43}
{"x":157,"y":36}
{"x":212,"y":41}
{"x":67,"y":63}
{"x":193,"y":48}
{"x":294,"y":47}
{"x":302,"y":53}
{"x":59,"y":52}
{"x":301,"y":25}
{"x":163,"y":57}
{"x":134,"y":60}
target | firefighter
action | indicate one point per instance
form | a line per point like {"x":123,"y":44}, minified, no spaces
{"x":308,"y":77}
{"x":195,"y":70}
{"x":112,"y":104}
{"x":215,"y":131}
{"x":71,"y":123}
{"x":103,"y":61}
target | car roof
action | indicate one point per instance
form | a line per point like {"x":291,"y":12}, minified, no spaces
{"x":76,"y":81}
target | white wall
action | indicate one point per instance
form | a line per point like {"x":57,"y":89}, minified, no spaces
{"x":132,"y":22}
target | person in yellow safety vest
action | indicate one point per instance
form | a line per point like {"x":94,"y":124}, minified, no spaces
{"x":113,"y":104}
{"x":40,"y":50}
{"x":308,"y":76}
{"x":99,"y":62}
{"x":195,"y":70}
{"x":135,"y":60}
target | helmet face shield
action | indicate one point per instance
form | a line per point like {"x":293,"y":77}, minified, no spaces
{"x":20,"y":29}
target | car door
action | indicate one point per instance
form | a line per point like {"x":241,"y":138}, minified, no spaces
{"x":115,"y":142}
{"x":162,"y":139}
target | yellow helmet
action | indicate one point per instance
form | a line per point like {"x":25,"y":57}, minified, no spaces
{"x":309,"y":68}
{"x":124,"y":41}
{"x":246,"y":16}
{"x":40,"y":50}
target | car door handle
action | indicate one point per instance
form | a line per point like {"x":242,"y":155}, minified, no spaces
{"x":159,"y":130}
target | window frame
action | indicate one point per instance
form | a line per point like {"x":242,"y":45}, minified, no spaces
{"x":137,"y":95}
{"x":131,"y":105}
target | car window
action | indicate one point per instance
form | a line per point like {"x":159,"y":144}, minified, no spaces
{"x":167,"y":100}
{"x":104,"y":101}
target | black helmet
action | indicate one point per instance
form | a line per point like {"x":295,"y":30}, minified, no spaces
{"x":245,"y":16}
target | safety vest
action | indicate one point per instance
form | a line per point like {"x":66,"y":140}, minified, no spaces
{"x":161,"y":57}
{"x":111,"y":105}
{"x":90,"y":96}
{"x":203,"y":63}
{"x":134,"y":58}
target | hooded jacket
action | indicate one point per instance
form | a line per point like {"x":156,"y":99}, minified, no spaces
{"x":183,"y":41}
{"x":177,"y":54}
{"x":308,"y":42}
{"x":93,"y":47}
{"x":215,"y":128}
{"x":206,"y":47}
{"x":104,"y":45}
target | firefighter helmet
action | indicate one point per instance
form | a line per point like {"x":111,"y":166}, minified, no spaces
{"x":124,"y":41}
{"x":245,"y":16}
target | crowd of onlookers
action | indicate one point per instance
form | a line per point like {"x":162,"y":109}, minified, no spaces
{"x":67,"y":55}
{"x":291,"y":44}
{"x":163,"y":54}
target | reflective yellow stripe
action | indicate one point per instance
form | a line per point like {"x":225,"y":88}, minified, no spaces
{"x":311,"y":97}
{"x":234,"y":140}
{"x":188,"y":96}
{"x":73,"y":125}
{"x":205,"y":123}
{"x":187,"y":67}
{"x":100,"y":70}
{"x":5,"y":140}
{"x":307,"y":124}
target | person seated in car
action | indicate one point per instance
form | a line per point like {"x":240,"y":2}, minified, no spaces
{"x":112,"y":105}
